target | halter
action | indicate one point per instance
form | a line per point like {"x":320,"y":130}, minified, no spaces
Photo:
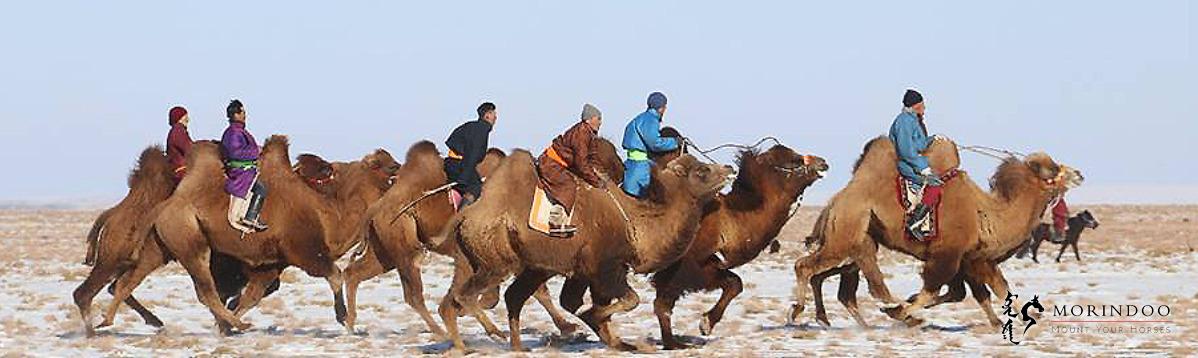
{"x":315,"y":181}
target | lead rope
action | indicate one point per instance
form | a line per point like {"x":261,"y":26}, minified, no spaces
{"x":990,"y":152}
{"x":426,"y":194}
{"x":628,"y":227}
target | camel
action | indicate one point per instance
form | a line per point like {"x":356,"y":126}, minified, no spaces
{"x":111,"y":246}
{"x":977,"y":229}
{"x":307,"y":228}
{"x":616,"y":233}
{"x":391,"y":241}
{"x":735,"y":228}
{"x":110,"y":243}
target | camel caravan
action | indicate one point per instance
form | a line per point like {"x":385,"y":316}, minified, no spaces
{"x":235,"y":214}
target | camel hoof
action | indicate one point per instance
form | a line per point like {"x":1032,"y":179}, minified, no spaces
{"x":674,"y":344}
{"x":705,"y":325}
{"x":823,"y":321}
{"x":567,"y":328}
{"x":912,"y":322}
{"x":795,"y":311}
{"x":154,"y":322}
{"x":624,"y":347}
{"x":104,"y":324}
{"x":895,"y":312}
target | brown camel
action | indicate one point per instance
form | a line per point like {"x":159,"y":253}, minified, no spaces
{"x":396,"y":242}
{"x":734,"y":230}
{"x":615,"y":233}
{"x":977,"y":229}
{"x":110,"y":243}
{"x":111,"y":246}
{"x":307,"y":228}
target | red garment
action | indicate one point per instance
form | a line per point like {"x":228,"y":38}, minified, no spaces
{"x":931,"y":196}
{"x":178,"y":144}
{"x":1060,"y":215}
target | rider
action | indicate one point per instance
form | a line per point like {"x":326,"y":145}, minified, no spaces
{"x":641,"y":136}
{"x":910,"y":137}
{"x":178,"y":141}
{"x":241,"y":155}
{"x":569,"y":155}
{"x":467,"y":147}
{"x":1060,"y":219}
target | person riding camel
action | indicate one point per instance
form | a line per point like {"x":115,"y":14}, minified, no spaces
{"x":241,"y":151}
{"x":178,"y":141}
{"x":910,"y":137}
{"x":642,"y":136}
{"x":467,"y":147}
{"x":571,"y":155}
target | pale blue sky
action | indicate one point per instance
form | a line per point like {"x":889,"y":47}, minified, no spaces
{"x":1109,"y":87}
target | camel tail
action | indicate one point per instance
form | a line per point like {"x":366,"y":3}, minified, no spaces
{"x":93,"y":238}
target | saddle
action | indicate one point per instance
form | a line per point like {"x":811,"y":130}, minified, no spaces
{"x":911,"y":193}
{"x":547,"y":211}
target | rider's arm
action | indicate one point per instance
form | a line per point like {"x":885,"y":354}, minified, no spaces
{"x":651,"y":134}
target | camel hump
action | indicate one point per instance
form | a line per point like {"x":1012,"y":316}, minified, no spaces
{"x":152,"y":162}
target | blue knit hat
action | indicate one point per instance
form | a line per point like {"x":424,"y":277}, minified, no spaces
{"x":657,"y":100}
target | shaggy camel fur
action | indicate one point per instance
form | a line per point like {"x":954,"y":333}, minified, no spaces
{"x":616,"y":233}
{"x":734,"y":230}
{"x":976,"y":228}
{"x":307,"y":228}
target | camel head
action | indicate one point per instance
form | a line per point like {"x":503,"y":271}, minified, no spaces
{"x":383,"y":166}
{"x":490,"y":161}
{"x":315,"y":171}
{"x":1037,"y":170}
{"x":696,"y":179}
{"x":798,"y":171}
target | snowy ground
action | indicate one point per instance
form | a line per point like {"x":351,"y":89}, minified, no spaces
{"x":1141,"y":255}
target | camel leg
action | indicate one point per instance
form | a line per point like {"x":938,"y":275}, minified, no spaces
{"x":731,"y":286}
{"x":205,"y":287}
{"x":599,"y":317}
{"x":336,"y":283}
{"x":364,"y":268}
{"x":817,"y":292}
{"x":805,"y":268}
{"x":413,"y":292}
{"x":136,"y":305}
{"x":976,"y":276}
{"x":255,"y":289}
{"x":939,"y":270}
{"x":572,"y":291}
{"x":125,"y":283}
{"x":559,"y":319}
{"x":663,"y":308}
{"x":468,"y":298}
{"x":517,"y":294}
{"x":100,"y":274}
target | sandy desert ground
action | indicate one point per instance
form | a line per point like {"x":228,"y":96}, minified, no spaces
{"x":1141,"y":255}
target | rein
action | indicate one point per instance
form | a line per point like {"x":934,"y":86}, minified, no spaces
{"x":993,"y":152}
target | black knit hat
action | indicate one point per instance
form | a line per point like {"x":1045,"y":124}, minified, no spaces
{"x":912,"y":98}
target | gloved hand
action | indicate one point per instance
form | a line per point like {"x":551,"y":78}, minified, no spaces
{"x":930,"y":178}
{"x":936,"y":137}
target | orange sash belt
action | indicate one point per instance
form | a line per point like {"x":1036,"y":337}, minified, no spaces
{"x":454,"y":155}
{"x":552,"y":154}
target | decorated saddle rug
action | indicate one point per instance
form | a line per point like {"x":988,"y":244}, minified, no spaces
{"x":911,"y":193}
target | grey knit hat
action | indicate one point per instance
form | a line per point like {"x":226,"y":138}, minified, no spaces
{"x":589,"y":111}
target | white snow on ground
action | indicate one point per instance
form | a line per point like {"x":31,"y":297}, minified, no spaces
{"x":40,"y":268}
